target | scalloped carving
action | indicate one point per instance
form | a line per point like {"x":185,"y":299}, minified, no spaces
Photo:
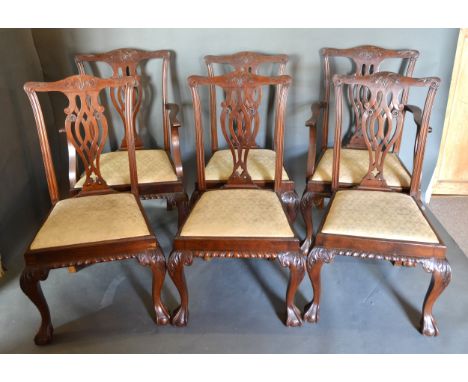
{"x":327,"y":255}
{"x":247,"y":61}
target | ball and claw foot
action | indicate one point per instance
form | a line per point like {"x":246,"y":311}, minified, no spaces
{"x":180,"y":317}
{"x":311,"y":313}
{"x":44,"y":335}
{"x":293,"y":317}
{"x":162,"y":316}
{"x":429,"y":326}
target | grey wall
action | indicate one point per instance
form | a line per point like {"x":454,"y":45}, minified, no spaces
{"x":24,"y":197}
{"x":437,"y":46}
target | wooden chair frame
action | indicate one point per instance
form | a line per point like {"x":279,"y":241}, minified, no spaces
{"x":247,"y":62}
{"x":240,"y":87}
{"x":126,"y":62}
{"x":366,"y":60}
{"x":326,"y":246}
{"x":89,"y":116}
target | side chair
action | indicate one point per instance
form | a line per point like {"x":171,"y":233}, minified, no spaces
{"x":238,"y":219}
{"x":99,"y":224}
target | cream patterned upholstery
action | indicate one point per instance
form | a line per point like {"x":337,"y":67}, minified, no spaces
{"x":354,"y":165}
{"x":260,"y":165}
{"x":378,"y":214}
{"x":89,"y":219}
{"x":152,"y":166}
{"x":238,"y":213}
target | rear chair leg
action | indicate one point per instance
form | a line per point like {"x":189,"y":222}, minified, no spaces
{"x":175,"y":265}
{"x":319,"y":202}
{"x":441,"y":276}
{"x":290,"y":200}
{"x":30,"y":285}
{"x":306,"y":211}
{"x":296,"y":264}
{"x":182,"y":208}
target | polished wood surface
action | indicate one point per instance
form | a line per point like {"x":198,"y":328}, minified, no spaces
{"x":86,"y":131}
{"x":380,"y":124}
{"x":238,"y":115}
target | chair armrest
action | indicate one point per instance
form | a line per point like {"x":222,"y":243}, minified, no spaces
{"x":417,"y":116}
{"x":174,"y":124}
{"x":316,"y":109}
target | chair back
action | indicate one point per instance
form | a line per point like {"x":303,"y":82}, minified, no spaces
{"x":366,"y":60}
{"x":240,"y":121}
{"x":245,"y":62}
{"x":125,"y":62}
{"x":86,"y":128}
{"x":381,"y":121}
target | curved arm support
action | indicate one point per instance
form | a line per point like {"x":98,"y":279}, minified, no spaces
{"x":174,"y":123}
{"x":312,"y":122}
{"x":417,"y":116}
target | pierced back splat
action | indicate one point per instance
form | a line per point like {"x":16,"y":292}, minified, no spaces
{"x":244,"y":62}
{"x":381,"y":120}
{"x":87,"y":130}
{"x":367,"y":60}
{"x":240,"y":122}
{"x":125,"y":62}
{"x":85,"y":126}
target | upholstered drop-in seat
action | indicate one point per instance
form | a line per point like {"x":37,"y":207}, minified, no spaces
{"x":89,"y":219}
{"x":238,"y":213}
{"x":354,"y":165}
{"x":153,"y":166}
{"x":379,"y":215}
{"x":260,"y":165}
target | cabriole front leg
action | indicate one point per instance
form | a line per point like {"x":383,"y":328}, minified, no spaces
{"x":317,"y":257}
{"x":30,"y":285}
{"x":175,"y":265}
{"x":156,"y":261}
{"x":441,"y":276}
{"x":296,"y":264}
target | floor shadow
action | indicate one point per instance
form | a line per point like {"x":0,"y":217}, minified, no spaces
{"x":276,"y":301}
{"x":413,"y":314}
{"x":144,"y":292}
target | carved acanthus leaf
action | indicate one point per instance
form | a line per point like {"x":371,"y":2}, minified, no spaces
{"x":292,"y":259}
{"x":149,"y":258}
{"x":178,"y":257}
